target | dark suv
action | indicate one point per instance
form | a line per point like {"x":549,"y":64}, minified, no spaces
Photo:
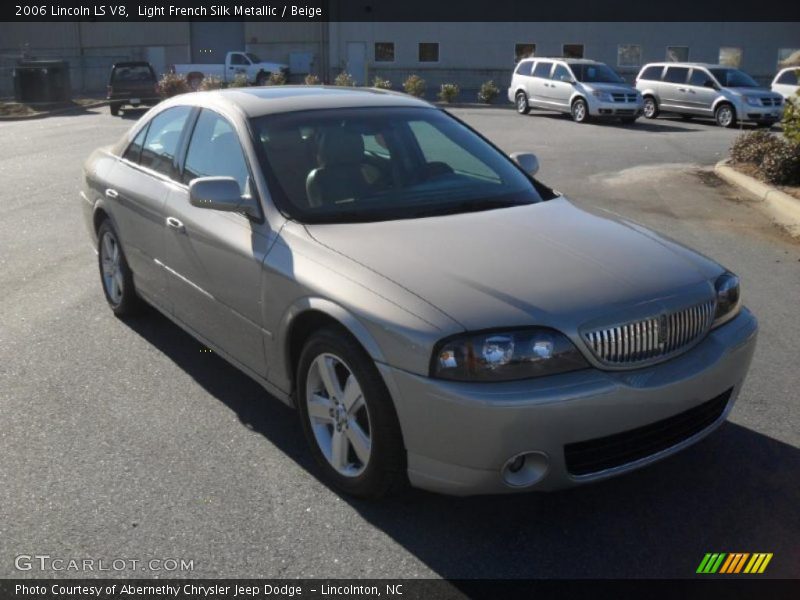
{"x":132,"y":83}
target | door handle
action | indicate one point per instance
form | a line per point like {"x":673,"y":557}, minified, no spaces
{"x":111,"y":193}
{"x":175,"y":224}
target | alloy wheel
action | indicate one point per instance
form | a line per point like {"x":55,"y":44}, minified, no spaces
{"x":110,"y":257}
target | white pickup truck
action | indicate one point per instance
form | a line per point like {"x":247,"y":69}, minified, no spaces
{"x":245,"y":63}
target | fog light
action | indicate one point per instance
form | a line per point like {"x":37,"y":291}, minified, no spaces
{"x":525,"y":469}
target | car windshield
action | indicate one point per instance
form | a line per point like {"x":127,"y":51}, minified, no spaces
{"x":132,"y":73}
{"x":586,"y":73}
{"x":733,"y":78}
{"x":377,"y":164}
{"x":253,"y":58}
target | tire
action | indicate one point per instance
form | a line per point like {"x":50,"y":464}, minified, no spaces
{"x":115,"y":273}
{"x":650,"y":107}
{"x":725,"y":115}
{"x":579,"y":110}
{"x":521,"y":101}
{"x":333,"y":359}
{"x":114,"y":109}
{"x":261,"y":78}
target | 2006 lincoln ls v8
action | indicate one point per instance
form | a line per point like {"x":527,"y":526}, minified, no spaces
{"x":436,"y":314}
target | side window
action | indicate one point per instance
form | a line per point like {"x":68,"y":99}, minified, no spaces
{"x":652,"y":73}
{"x":214,"y":151}
{"x":788,"y":78}
{"x":561,"y":73}
{"x":524,"y":68}
{"x":163,"y":137}
{"x":676,"y":74}
{"x":542,"y":69}
{"x":699,"y":78}
{"x":134,"y":150}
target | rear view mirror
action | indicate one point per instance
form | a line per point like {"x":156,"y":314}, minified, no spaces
{"x":221,"y":193}
{"x":526,"y":160}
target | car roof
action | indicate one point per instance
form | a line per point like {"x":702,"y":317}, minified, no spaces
{"x":689,"y":64}
{"x":572,"y":61}
{"x":259,"y":101}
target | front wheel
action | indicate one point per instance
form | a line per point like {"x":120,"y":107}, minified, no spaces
{"x":523,"y":107}
{"x":650,"y":108}
{"x":580,"y":111}
{"x":261,"y":78}
{"x":115,"y":274}
{"x":348,"y":417}
{"x":725,"y":115}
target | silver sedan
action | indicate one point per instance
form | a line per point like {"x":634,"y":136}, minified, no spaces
{"x":436,"y":314}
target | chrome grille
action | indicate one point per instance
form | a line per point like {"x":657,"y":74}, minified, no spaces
{"x":765,"y":101}
{"x":622,"y":97}
{"x":653,"y":338}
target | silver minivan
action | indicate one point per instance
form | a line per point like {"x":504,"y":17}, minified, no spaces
{"x":723,"y":93}
{"x":583,"y":88}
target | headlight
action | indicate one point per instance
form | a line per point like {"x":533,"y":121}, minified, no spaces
{"x":602,"y":96}
{"x":752,"y":100}
{"x":506,"y":355}
{"x":728,"y":298}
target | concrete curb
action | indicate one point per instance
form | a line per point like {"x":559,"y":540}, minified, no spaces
{"x":50,"y":113}
{"x":783,"y":208}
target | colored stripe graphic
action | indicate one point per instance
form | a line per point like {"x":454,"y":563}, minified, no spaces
{"x":740,"y":564}
{"x":722,"y":563}
{"x":711,"y":563}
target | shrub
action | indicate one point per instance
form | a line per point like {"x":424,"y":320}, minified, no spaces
{"x":414,"y":85}
{"x":312,"y":79}
{"x":448,"y":92}
{"x":781,"y":165}
{"x":277,"y":78}
{"x":753,"y":146}
{"x":382,"y":84}
{"x":172,"y":84}
{"x":791,"y":119}
{"x":488,"y":92}
{"x":344,"y":79}
{"x":211,"y":83}
{"x":240,"y":80}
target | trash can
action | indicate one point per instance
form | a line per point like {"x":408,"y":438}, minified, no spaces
{"x":42,"y":81}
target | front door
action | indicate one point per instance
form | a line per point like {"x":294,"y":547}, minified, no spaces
{"x":357,"y":61}
{"x":700,"y":92}
{"x":561,"y":87}
{"x":214,"y":258}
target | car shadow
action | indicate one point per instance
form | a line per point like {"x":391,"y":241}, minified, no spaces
{"x":736,"y":491}
{"x":133,"y":113}
{"x":640,"y":124}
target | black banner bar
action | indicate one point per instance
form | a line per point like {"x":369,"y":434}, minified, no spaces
{"x":399,"y":10}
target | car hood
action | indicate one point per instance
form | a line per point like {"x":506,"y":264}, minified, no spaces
{"x":547,"y":263}
{"x":749,"y":91}
{"x":611,"y":87}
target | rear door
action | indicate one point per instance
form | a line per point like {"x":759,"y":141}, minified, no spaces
{"x":214,"y":258}
{"x":537,"y":90}
{"x":139,"y":185}
{"x":673,"y":90}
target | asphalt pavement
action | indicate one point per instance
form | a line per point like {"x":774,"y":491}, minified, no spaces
{"x":122,"y":439}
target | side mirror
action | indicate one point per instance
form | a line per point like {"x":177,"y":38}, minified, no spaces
{"x":526,"y":160}
{"x":221,"y":193}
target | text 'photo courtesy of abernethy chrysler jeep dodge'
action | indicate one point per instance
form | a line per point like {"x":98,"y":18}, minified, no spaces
{"x":437,"y":315}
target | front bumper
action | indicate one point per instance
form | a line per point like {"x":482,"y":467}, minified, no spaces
{"x":761,"y":114}
{"x":615,"y":109}
{"x":459,"y":436}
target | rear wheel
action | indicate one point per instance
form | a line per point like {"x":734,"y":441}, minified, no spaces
{"x":262,"y":78}
{"x":579,"y":111}
{"x":114,"y":109}
{"x":650,"y":107}
{"x":522,"y":103}
{"x":725,"y":115}
{"x":115,"y":274}
{"x":348,"y":417}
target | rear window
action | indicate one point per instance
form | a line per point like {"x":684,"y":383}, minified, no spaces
{"x":133,"y":74}
{"x":676,"y":74}
{"x":651,"y":73}
{"x":543,"y":69}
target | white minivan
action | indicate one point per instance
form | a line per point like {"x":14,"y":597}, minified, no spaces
{"x":785,"y":83}
{"x":583,"y":88}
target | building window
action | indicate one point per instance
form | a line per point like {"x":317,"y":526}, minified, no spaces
{"x":677,"y":53}
{"x":384,"y":51}
{"x":524,"y":51}
{"x":629,"y":55}
{"x":429,"y":52}
{"x":730,"y":56}
{"x":788,"y":57}
{"x":572,"y":50}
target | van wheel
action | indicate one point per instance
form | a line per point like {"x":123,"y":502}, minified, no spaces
{"x":650,"y":107}
{"x":115,"y":274}
{"x":348,"y":417}
{"x":580,"y":111}
{"x":725,"y":115}
{"x":522,"y":103}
